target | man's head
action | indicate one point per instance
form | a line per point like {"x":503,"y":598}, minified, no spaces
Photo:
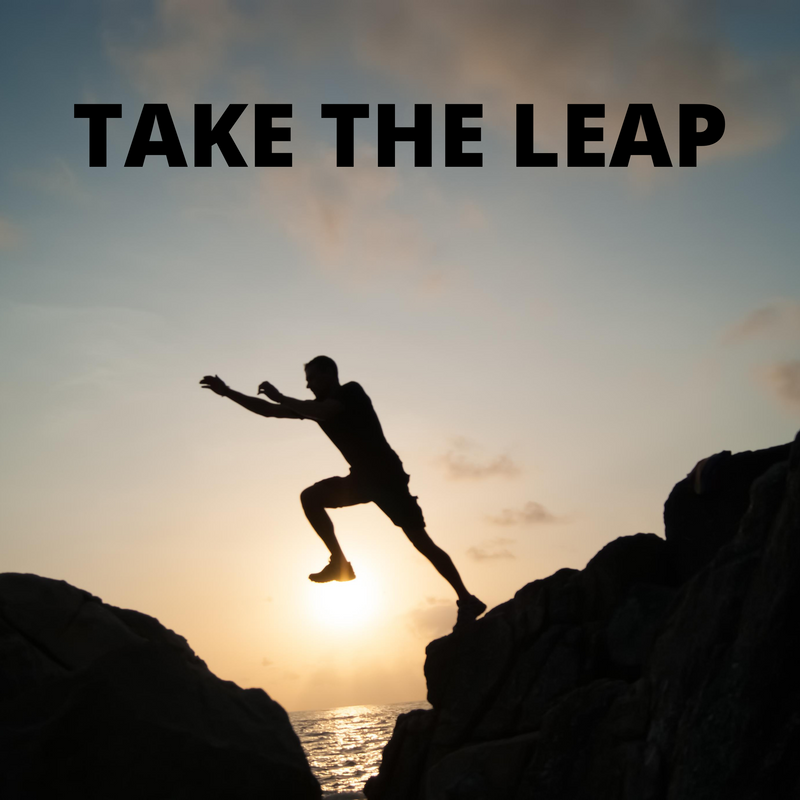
{"x":322,"y":376}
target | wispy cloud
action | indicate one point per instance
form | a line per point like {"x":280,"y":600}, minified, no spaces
{"x":355,"y":224}
{"x":464,"y":461}
{"x":783,"y":379}
{"x":369,"y":223}
{"x":498,"y":52}
{"x":779,"y":318}
{"x":10,"y":234}
{"x":508,"y":51}
{"x":776,"y":325}
{"x":181,"y":50}
{"x":492,"y":550}
{"x":344,"y":218}
{"x":530,"y":514}
{"x":431,"y":619}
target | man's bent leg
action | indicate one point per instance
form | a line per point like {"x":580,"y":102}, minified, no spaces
{"x":314,"y":508}
{"x":330,"y":493}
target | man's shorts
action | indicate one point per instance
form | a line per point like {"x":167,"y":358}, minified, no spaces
{"x":391,"y":495}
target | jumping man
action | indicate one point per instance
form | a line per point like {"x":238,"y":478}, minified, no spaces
{"x":345,"y":414}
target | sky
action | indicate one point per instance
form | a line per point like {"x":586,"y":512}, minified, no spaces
{"x":549,"y":349}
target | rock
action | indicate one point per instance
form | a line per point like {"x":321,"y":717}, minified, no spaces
{"x":704,"y":510}
{"x":728,"y":697}
{"x":632,"y":629}
{"x":665,"y":670}
{"x":479,"y":771}
{"x":573,"y":758}
{"x":404,"y":758}
{"x":464,"y":674}
{"x":100,"y":702}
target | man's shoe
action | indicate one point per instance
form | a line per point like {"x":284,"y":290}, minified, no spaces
{"x":468,"y":611}
{"x":335,"y":571}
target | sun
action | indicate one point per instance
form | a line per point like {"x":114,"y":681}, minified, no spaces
{"x":344,"y":606}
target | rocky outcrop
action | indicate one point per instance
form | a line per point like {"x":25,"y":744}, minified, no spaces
{"x":665,"y":670}
{"x":103,"y":703}
{"x":704,"y":510}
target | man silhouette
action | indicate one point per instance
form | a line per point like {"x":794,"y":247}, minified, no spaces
{"x":345,"y":414}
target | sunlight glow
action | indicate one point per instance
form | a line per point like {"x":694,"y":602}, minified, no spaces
{"x":344,"y":606}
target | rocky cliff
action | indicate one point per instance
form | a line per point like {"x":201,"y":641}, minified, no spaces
{"x":100,"y":703}
{"x":664,"y":670}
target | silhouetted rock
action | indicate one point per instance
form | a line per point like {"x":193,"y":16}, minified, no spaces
{"x":97,"y":702}
{"x":703,"y":511}
{"x":626,"y":681}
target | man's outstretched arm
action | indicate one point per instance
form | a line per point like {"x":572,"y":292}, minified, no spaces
{"x":254,"y":404}
{"x":320,"y":410}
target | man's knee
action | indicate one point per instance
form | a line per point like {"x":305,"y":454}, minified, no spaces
{"x":310,"y":497}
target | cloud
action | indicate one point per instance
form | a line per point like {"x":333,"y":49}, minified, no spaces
{"x":183,"y":49}
{"x":10,"y":234}
{"x":779,"y":318}
{"x":368,"y":223}
{"x":459,"y":463}
{"x":498,"y":52}
{"x":345,"y":218}
{"x":784,"y":380}
{"x":505,"y":52}
{"x":530,"y":514}
{"x":492,"y":550}
{"x":432,"y":619}
{"x":777,"y":325}
{"x":355,"y":224}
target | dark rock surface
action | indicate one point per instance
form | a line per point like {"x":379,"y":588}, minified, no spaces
{"x":103,"y":703}
{"x":703,"y":511}
{"x":664,"y":670}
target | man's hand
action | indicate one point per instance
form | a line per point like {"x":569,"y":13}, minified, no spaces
{"x":266,"y":388}
{"x":215,"y":383}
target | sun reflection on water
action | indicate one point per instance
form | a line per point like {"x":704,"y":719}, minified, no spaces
{"x":344,"y":745}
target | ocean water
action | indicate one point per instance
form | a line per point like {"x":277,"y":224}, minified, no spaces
{"x":344,"y":745}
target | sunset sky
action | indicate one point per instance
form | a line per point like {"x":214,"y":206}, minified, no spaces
{"x":549,"y":350}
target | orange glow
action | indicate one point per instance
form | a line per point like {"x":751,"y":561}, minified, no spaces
{"x":344,"y":606}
